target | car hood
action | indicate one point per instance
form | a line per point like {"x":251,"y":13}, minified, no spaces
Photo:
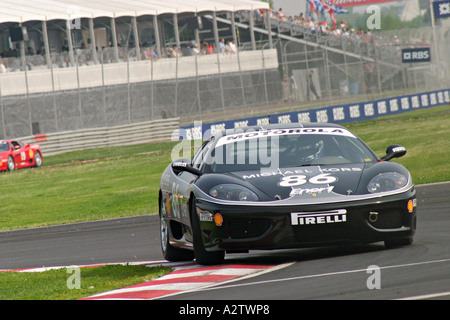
{"x":305,"y":181}
{"x":304,"y":185}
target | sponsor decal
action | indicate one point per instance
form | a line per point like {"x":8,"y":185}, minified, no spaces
{"x":312,"y":191}
{"x":416,"y":55}
{"x":324,"y":217}
{"x":179,"y":164}
{"x":338,"y":113}
{"x":441,"y":8}
{"x":299,"y":171}
{"x":218,"y":219}
{"x":206,"y":216}
{"x":398,"y":149}
{"x":281,"y":132}
{"x":298,"y":180}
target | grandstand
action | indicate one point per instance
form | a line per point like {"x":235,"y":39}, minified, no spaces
{"x":68,"y":65}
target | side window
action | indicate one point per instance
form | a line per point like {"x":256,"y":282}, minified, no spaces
{"x":199,"y":156}
{"x":14,"y":144}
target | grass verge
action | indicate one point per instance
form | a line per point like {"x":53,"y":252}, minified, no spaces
{"x":62,"y":284}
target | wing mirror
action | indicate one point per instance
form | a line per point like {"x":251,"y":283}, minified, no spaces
{"x":394,"y":151}
{"x":184,"y":165}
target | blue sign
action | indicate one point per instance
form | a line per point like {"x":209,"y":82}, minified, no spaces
{"x":416,"y":55}
{"x":441,"y":8}
{"x":358,"y":111}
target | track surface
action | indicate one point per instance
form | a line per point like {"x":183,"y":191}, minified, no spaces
{"x":420,"y":271}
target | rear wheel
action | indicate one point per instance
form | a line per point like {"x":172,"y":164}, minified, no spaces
{"x":37,"y":159}
{"x":201,"y":255}
{"x":170,"y":252}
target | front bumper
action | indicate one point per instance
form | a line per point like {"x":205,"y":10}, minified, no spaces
{"x":241,"y":227}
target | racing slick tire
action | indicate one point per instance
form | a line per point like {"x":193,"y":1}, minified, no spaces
{"x":170,"y":252}
{"x":202,"y":256}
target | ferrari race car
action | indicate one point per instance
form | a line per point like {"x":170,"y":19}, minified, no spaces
{"x":16,"y":154}
{"x":280,"y":187}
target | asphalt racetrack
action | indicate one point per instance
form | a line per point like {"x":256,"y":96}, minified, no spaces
{"x":419,"y":271}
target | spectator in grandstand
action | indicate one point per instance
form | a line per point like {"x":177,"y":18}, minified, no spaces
{"x":323,"y":28}
{"x":311,"y":25}
{"x":150,"y":54}
{"x":232,"y":46}
{"x":311,"y":88}
{"x":222,"y":46}
{"x":2,"y":66}
{"x":176,"y":52}
{"x":209,"y":48}
{"x":195,"y":50}
{"x":169,"y":52}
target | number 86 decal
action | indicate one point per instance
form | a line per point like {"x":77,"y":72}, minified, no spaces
{"x":298,"y":180}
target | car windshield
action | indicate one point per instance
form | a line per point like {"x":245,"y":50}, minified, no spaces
{"x":4,"y":146}
{"x":290,"y":148}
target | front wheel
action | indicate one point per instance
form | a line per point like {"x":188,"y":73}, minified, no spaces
{"x":11,"y":165}
{"x":170,"y":252}
{"x":201,"y":255}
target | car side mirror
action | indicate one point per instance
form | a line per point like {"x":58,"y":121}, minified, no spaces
{"x":184,"y":165}
{"x":394,"y":151}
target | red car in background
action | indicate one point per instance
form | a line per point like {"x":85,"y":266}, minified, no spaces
{"x":16,"y":154}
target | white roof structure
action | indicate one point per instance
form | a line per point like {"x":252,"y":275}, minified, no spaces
{"x":45,"y":10}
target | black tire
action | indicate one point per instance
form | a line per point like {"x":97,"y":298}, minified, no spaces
{"x":201,"y":255}
{"x":170,"y":253}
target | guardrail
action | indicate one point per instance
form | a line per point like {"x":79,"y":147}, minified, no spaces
{"x":143,"y":132}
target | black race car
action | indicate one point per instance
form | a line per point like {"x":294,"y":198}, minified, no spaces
{"x":283,"y":186}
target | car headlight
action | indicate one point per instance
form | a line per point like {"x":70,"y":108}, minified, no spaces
{"x":232,"y":192}
{"x":387,"y":181}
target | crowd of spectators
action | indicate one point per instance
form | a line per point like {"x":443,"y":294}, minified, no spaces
{"x":338,"y":30}
{"x":11,"y":61}
{"x":193,"y":49}
{"x":37,"y":60}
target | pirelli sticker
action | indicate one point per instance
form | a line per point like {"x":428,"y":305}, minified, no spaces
{"x":323,"y":217}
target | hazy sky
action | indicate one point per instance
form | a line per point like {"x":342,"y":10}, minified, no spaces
{"x":294,"y":7}
{"x":290,"y":7}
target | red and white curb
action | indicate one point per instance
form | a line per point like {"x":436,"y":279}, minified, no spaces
{"x":185,"y":277}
